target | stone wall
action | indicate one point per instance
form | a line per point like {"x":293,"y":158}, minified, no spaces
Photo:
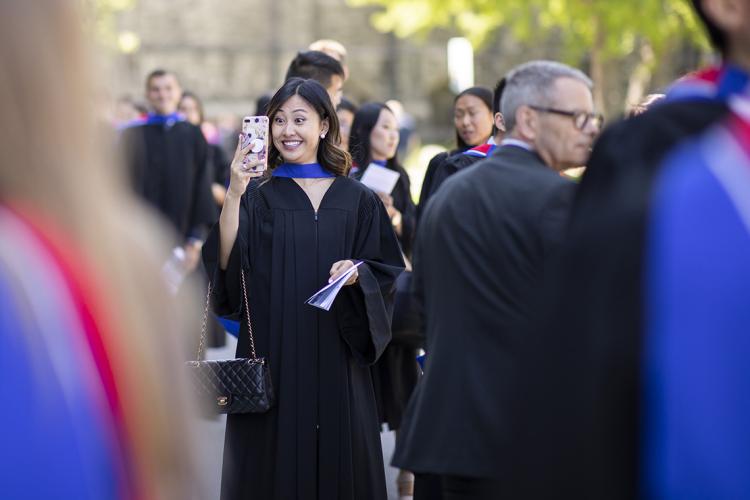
{"x":230,"y":52}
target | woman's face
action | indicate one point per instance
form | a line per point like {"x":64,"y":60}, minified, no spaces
{"x":189,"y":108}
{"x":296,"y":129}
{"x":473,"y":120}
{"x":384,"y":137}
{"x":346,"y":118}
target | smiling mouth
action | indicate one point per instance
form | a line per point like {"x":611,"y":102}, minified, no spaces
{"x":290,"y":144}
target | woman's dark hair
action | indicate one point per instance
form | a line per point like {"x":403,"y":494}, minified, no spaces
{"x":261,"y":104}
{"x":497,"y":97}
{"x":718,"y":37}
{"x":198,"y":102}
{"x":365,"y":120}
{"x":485,"y":95}
{"x":330,"y":156}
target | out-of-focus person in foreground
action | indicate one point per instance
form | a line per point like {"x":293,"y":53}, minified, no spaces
{"x":92,"y":401}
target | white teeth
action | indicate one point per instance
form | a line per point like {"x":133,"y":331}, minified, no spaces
{"x":292,"y":144}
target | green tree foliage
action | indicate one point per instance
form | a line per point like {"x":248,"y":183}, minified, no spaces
{"x":601,"y":30}
{"x":101,"y":19}
{"x":613,"y":26}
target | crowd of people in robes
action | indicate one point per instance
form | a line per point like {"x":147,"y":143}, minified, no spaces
{"x":527,"y":334}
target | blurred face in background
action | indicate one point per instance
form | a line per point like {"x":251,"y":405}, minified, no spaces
{"x":189,"y":107}
{"x":335,"y":90}
{"x":473,"y":120}
{"x":346,"y":118}
{"x":163,"y":94}
{"x":384,"y":137}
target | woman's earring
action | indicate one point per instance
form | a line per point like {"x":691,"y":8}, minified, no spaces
{"x":322,"y":136}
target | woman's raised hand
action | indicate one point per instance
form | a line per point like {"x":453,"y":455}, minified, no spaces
{"x":242,"y":172}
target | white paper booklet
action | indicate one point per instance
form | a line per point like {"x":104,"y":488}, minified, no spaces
{"x":380,"y":179}
{"x":324,"y":297}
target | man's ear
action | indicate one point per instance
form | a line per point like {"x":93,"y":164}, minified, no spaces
{"x":527,"y":123}
{"x":500,"y":122}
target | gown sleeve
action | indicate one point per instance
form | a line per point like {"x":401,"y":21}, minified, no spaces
{"x":365,"y":310}
{"x":226,"y":293}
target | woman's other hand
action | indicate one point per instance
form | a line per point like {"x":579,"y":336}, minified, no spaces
{"x":339,"y":268}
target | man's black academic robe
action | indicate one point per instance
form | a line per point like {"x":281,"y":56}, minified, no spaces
{"x":478,"y":260}
{"x":169,"y":168}
{"x":322,"y":438}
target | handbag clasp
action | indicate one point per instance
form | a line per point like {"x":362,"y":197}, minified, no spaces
{"x":222,"y":400}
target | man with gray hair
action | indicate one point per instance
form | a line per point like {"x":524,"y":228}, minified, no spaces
{"x":478,"y":264}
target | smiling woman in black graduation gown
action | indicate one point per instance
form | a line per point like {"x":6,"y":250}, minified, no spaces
{"x":304,"y":224}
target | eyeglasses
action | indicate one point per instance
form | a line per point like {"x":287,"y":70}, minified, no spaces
{"x":580,"y":118}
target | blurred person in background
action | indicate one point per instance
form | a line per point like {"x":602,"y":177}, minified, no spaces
{"x":192,"y":108}
{"x":322,"y":68}
{"x":345,"y":111}
{"x":374,"y":140}
{"x":334,"y":49}
{"x":167,"y":159}
{"x":128,"y":111}
{"x":261,"y":104}
{"x":93,"y":404}
{"x":473,"y":120}
{"x":460,"y":161}
{"x":645,"y":325}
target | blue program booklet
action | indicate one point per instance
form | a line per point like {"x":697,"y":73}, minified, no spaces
{"x":324,"y":297}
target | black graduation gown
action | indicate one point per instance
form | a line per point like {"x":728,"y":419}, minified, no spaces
{"x":321,"y":440}
{"x":169,"y":168}
{"x":450,"y":166}
{"x":478,"y":260}
{"x":396,"y":373}
{"x":220,"y":164}
{"x":579,"y":401}
{"x":424,"y":193}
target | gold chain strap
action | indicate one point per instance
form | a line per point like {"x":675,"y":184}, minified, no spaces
{"x":247,"y":315}
{"x":202,"y":342}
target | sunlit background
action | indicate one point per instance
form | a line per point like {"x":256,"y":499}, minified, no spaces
{"x":420,"y":52}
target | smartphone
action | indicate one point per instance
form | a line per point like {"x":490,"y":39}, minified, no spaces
{"x":255,"y":135}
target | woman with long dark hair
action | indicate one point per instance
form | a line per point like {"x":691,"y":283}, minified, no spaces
{"x":473,"y":120}
{"x":304,"y":224}
{"x":374,"y":141}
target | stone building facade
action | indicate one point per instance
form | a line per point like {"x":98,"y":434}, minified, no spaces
{"x":231,"y":51}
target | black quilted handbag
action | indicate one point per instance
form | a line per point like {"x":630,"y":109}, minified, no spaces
{"x":241,"y":385}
